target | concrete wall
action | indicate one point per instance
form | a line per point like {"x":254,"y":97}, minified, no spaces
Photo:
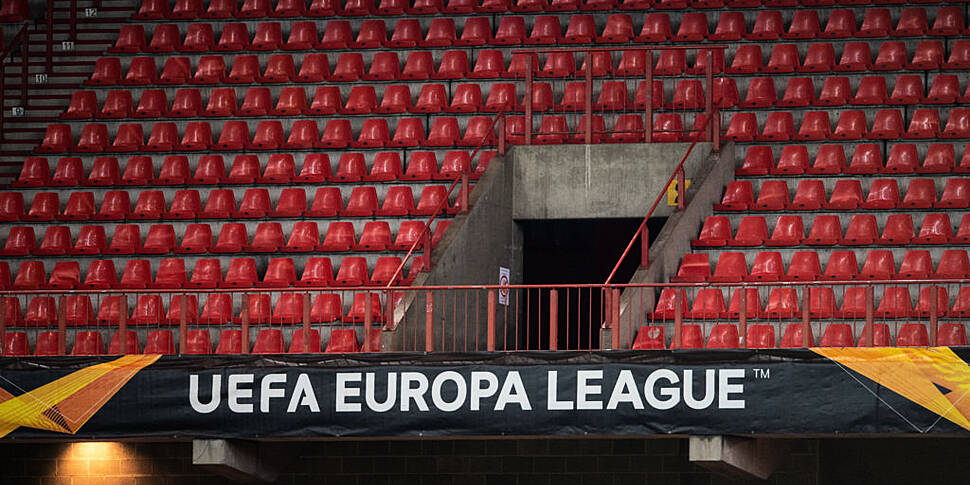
{"x":596,"y":181}
{"x":710,"y":176}
{"x":471,"y":252}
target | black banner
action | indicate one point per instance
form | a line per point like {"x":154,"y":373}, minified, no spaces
{"x":806,"y":391}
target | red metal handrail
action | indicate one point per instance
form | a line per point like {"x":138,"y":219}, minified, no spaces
{"x":426,"y":234}
{"x":641,"y":231}
{"x":24,"y":39}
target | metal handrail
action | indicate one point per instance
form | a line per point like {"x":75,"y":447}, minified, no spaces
{"x":425,"y":238}
{"x":24,"y":39}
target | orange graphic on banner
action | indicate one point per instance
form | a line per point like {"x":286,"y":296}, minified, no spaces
{"x":934,"y":378}
{"x":66,"y":404}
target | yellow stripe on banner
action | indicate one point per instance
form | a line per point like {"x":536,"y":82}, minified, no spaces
{"x":39,"y":409}
{"x":914,"y":374}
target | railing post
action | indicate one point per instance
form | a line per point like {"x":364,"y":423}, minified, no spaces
{"x":715,"y":115}
{"x":870,"y":328}
{"x":50,"y":35}
{"x":62,"y":325}
{"x":24,"y":66}
{"x":615,"y":314}
{"x":429,"y":321}
{"x":123,"y":323}
{"x":528,"y":99}
{"x":681,"y":189}
{"x":645,"y":246}
{"x":709,"y":93}
{"x":678,"y":319}
{"x":934,"y":318}
{"x":553,"y":319}
{"x":588,"y":99}
{"x":306,"y":324}
{"x":368,"y":320}
{"x":742,"y":314}
{"x":490,"y":329}
{"x":463,"y":193}
{"x":648,"y":109}
{"x":244,"y":327}
{"x":501,"y":135}
{"x":806,"y":318}
{"x":389,"y":311}
{"x":184,"y":322}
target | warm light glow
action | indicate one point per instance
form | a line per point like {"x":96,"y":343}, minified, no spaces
{"x":97,"y":450}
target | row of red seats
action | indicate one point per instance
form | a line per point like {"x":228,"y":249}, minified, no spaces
{"x":545,"y":30}
{"x":268,"y":341}
{"x":895,"y":302}
{"x":725,"y":336}
{"x":826,"y":230}
{"x":221,"y":204}
{"x":887,"y":124}
{"x":866,"y":158}
{"x":803,"y":24}
{"x":241,"y":273}
{"x":197,"y":238}
{"x":490,"y":64}
{"x":805,"y":265}
{"x":218,"y":310}
{"x":193,"y":9}
{"x":304,"y":236}
{"x":397,"y":99}
{"x":836,"y":91}
{"x":268,"y":135}
{"x":846,"y":195}
{"x":245,"y":169}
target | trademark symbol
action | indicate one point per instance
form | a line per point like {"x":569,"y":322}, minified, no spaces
{"x":761,"y":373}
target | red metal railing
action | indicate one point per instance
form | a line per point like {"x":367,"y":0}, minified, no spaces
{"x":592,"y":72}
{"x":24,"y":38}
{"x":426,"y":236}
{"x":642,"y":231}
{"x":522,"y":317}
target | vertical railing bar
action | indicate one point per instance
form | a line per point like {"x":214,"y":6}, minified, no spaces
{"x":528,"y":99}
{"x":50,"y":36}
{"x":588,"y":99}
{"x":123,"y":324}
{"x":806,"y":318}
{"x":870,"y":328}
{"x":934,"y":317}
{"x":61,"y":325}
{"x":490,"y":337}
{"x":742,"y":315}
{"x":648,"y":109}
{"x":429,"y":321}
{"x":553,"y":319}
{"x":306,"y":323}
{"x":679,"y":296}
{"x":183,"y":322}
{"x":368,"y":319}
{"x":244,"y":329}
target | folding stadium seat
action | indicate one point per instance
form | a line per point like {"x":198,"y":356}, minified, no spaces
{"x":851,"y":126}
{"x":94,"y":138}
{"x":742,"y":128}
{"x":804,"y":25}
{"x":782,"y":303}
{"x":441,"y":33}
{"x":929,"y":56}
{"x":862,"y":230}
{"x":956,"y":194}
{"x":408,"y":133}
{"x":957,"y":125}
{"x":373,"y":133}
{"x":84,"y":105}
{"x":897,"y":230}
{"x":747,"y":60}
{"x":866,"y":159}
{"x":45,"y":206}
{"x":779,"y":126}
{"x":875,"y":23}
{"x":921,"y":194}
{"x":80,"y":207}
{"x":961,"y":307}
{"x":558,"y":64}
{"x":140,"y":72}
{"x":126,"y":240}
{"x":878,"y":265}
{"x":856,"y":56}
{"x":198,"y":38}
{"x":371,"y":34}
{"x":129,"y":138}
{"x":768,"y":25}
{"x":627,"y":129}
{"x":667,"y":304}
{"x":837,"y":335}
{"x":835,"y":92}
{"x":268,"y":238}
{"x":737,"y":196}
{"x":351,"y":168}
{"x":165,"y":38}
{"x":160,"y":240}
{"x":107,"y":72}
{"x":68,"y":172}
{"x":936,"y":229}
{"x":152,"y":10}
{"x":552,"y":131}
{"x":21,"y":241}
{"x":959,"y":55}
{"x":948,"y":22}
{"x":820,"y":57}
{"x":90,"y":240}
{"x":842,"y":265}
{"x":453,"y":65}
{"x":241,"y":274}
{"x":432,"y":99}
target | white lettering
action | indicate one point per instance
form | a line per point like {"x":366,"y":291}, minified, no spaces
{"x":236,"y":393}
{"x":672,"y":393}
{"x":478,"y":392}
{"x":584,"y":389}
{"x":303,"y":395}
{"x":372,"y":403}
{"x":216,"y":394}
{"x":513,"y":391}
{"x":267,"y":391}
{"x":552,"y":399}
{"x":726,"y":388}
{"x":708,"y":399}
{"x":343,"y":391}
{"x":625,"y":391}
{"x":439,"y":400}
{"x":416,"y":394}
